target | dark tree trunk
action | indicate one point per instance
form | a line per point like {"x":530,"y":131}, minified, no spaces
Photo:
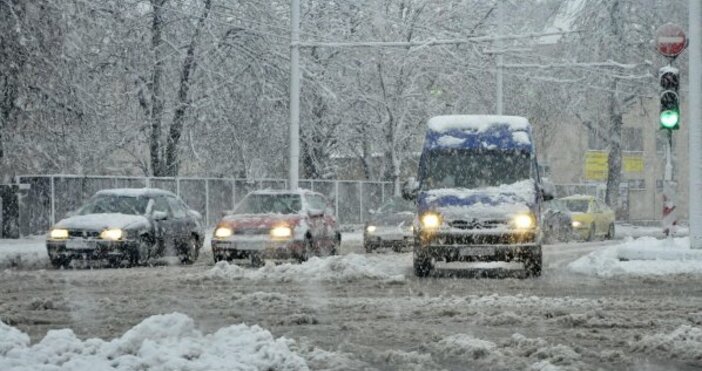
{"x":614,"y":160}
{"x":156,"y":89}
{"x":189,"y":65}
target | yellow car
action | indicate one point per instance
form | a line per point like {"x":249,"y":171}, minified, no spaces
{"x":591,"y":217}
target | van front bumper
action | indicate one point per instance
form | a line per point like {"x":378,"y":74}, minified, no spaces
{"x":478,"y":247}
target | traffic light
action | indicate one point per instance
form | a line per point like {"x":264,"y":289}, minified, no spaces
{"x":670,"y":101}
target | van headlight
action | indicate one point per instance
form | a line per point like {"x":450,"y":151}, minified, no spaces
{"x":524,"y":221}
{"x":431,"y":221}
{"x":370,"y":229}
{"x":112,"y":234}
{"x":577,"y":224}
{"x":58,"y":234}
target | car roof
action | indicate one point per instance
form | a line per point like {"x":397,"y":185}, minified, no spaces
{"x":136,"y":192}
{"x":298,"y":192}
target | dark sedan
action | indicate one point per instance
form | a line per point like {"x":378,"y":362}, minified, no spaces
{"x":390,"y":226}
{"x":127,"y":227}
{"x":557,"y":223}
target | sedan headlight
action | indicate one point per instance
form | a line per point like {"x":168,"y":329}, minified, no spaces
{"x":112,"y":234}
{"x":431,"y":220}
{"x":223,"y":232}
{"x":524,"y":221}
{"x":281,"y":232}
{"x":577,"y":224}
{"x":58,"y":234}
{"x":370,"y":229}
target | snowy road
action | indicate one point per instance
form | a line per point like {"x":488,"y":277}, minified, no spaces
{"x":356,"y":312}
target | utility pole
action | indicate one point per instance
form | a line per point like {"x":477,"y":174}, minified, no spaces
{"x":294,"y":135}
{"x":500,"y":58}
{"x":694,"y":105}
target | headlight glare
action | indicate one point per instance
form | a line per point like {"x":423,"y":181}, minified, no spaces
{"x":577,"y":224}
{"x":524,"y":221}
{"x":431,"y":221}
{"x":281,"y":232}
{"x":112,"y":234}
{"x":58,"y":234}
{"x":223,"y":232}
{"x":370,"y":229}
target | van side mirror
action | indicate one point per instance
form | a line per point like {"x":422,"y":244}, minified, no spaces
{"x":548,"y":190}
{"x":410,"y":188}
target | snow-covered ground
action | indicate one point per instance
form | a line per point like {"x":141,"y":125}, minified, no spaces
{"x":353,"y":311}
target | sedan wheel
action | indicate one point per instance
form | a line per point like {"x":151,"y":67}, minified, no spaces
{"x":610,"y":232}
{"x":591,"y":233}
{"x":142,"y":253}
{"x":190,"y":251}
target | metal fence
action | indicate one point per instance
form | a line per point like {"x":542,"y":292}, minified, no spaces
{"x":50,"y":197}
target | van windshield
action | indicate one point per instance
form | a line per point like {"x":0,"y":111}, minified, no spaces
{"x":457,"y":168}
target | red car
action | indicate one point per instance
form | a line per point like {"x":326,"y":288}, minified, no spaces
{"x":277,"y":225}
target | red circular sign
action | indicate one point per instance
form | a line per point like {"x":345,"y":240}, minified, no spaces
{"x":670,"y":40}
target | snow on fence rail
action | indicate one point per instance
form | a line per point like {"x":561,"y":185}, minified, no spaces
{"x":50,"y":197}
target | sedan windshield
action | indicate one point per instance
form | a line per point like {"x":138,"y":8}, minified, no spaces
{"x":115,"y":204}
{"x":269,"y":204}
{"x":577,"y":206}
{"x":458,"y":168}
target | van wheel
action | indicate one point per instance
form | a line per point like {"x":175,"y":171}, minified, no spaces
{"x":60,"y":262}
{"x":422,"y":266}
{"x":591,"y":233}
{"x":610,"y":232}
{"x":533,"y":262}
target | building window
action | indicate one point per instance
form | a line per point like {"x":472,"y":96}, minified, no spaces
{"x":632,"y":139}
{"x":595,"y":139}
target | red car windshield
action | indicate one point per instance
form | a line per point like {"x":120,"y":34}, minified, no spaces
{"x":269,"y":204}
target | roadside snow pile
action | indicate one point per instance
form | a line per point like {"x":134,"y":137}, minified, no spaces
{"x":518,"y":352}
{"x":636,"y":231}
{"x":644,"y":256}
{"x":23,"y":253}
{"x":333,"y":268}
{"x":161,"y":342}
{"x":684,"y":343}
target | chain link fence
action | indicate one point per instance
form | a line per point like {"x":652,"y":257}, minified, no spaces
{"x":50,"y":197}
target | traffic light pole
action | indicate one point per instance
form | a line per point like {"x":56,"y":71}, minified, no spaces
{"x":670,"y":219}
{"x":695,"y":127}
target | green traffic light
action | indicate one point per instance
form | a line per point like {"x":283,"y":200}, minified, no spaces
{"x":670,"y":119}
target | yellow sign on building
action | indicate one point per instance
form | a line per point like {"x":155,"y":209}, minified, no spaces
{"x":596,"y":164}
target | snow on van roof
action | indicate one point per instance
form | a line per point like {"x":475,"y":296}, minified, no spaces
{"x":135,"y":192}
{"x":476,"y":122}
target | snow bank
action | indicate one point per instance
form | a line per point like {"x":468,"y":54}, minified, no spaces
{"x":23,"y":253}
{"x":161,"y":342}
{"x":643,"y":256}
{"x":333,"y":268}
{"x":685,"y":342}
{"x":636,"y":231}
